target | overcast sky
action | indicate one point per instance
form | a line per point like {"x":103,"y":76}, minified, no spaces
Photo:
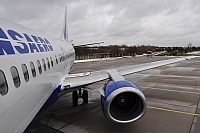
{"x":131,"y":22}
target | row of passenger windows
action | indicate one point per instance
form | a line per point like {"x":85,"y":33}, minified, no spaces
{"x":15,"y":75}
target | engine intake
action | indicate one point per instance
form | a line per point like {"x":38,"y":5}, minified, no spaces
{"x":123,"y":102}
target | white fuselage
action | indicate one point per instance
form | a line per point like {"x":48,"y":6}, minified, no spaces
{"x":19,"y":105}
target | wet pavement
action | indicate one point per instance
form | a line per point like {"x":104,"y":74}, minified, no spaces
{"x":172,"y":93}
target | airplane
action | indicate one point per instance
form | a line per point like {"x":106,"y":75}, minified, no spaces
{"x":35,"y":72}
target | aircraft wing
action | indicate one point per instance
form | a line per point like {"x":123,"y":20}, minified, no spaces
{"x":72,"y":82}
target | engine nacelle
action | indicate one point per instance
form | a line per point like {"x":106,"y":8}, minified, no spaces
{"x":122,"y":101}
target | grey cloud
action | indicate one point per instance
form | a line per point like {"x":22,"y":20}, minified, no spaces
{"x":160,"y":22}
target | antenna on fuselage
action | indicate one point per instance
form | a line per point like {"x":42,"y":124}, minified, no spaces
{"x":64,"y":35}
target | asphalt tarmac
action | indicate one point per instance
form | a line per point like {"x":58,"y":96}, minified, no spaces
{"x":172,"y":93}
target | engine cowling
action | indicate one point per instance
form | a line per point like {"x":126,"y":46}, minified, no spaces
{"x":123,"y":102}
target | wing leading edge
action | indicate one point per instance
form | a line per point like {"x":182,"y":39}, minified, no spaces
{"x":71,"y":82}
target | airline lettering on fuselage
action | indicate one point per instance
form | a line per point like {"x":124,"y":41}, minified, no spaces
{"x":22,"y":44}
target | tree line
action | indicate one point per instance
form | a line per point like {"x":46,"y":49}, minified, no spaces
{"x":124,"y":50}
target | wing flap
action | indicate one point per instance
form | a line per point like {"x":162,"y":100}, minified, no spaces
{"x":71,"y":83}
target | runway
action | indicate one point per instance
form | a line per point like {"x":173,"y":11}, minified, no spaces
{"x":172,"y":93}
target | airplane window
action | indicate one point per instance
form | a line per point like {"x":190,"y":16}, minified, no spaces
{"x":15,"y":76}
{"x":66,"y":56}
{"x":48,"y":63}
{"x":60,"y":58}
{"x":3,"y":84}
{"x":44,"y":65}
{"x":33,"y":69}
{"x":51,"y":61}
{"x":63,"y":57}
{"x":39,"y":66}
{"x":56,"y":59}
{"x":25,"y":72}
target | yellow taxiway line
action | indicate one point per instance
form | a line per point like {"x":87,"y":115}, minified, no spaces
{"x":187,"y":92}
{"x":178,"y":76}
{"x":175,"y":111}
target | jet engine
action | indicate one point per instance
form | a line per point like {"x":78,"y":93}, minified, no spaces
{"x":122,"y":101}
